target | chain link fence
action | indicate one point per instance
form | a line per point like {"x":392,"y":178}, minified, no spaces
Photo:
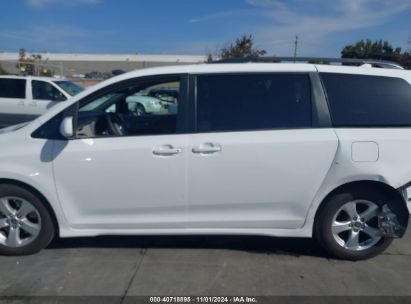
{"x":16,"y":67}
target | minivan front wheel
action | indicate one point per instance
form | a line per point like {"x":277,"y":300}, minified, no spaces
{"x":347,"y":226}
{"x":25,"y":224}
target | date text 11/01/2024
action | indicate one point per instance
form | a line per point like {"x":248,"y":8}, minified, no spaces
{"x":203,"y":299}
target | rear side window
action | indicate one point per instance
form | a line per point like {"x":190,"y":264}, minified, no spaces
{"x":13,"y":88}
{"x":253,"y":102}
{"x":360,"y":100}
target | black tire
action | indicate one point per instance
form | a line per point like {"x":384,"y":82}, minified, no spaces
{"x":324,"y":219}
{"x":46,"y":233}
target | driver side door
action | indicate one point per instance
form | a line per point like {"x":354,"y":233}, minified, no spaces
{"x":43,"y":96}
{"x":135,"y":180}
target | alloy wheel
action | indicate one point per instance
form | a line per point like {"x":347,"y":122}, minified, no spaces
{"x":20,"y":222}
{"x":355,"y":225}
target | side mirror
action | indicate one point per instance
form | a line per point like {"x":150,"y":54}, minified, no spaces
{"x":67,"y":127}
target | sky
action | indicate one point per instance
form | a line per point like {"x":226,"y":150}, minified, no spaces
{"x":197,"y":27}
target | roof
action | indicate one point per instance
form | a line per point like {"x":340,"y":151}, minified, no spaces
{"x":259,"y":68}
{"x":31,"y":77}
{"x":317,"y":60}
{"x":222,"y":68}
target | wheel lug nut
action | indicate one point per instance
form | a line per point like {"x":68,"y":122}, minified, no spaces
{"x":355,"y":218}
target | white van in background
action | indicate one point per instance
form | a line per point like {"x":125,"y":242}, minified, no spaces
{"x":23,"y":98}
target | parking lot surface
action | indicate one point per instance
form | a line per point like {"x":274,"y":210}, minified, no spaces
{"x":201,"y":265}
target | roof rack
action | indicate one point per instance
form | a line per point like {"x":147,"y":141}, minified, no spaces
{"x":318,"y":60}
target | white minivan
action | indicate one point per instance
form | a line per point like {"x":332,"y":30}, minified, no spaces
{"x":286,"y":150}
{"x":23,"y":98}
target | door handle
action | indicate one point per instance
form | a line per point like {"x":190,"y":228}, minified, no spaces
{"x":166,"y":150}
{"x":20,"y":102}
{"x":207,"y":148}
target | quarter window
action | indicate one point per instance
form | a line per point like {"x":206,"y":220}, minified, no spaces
{"x":13,"y":88}
{"x":361,"y":100}
{"x":253,"y":102}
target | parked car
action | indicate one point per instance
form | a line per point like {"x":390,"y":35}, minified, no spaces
{"x":165,"y":94}
{"x":117,"y":72}
{"x":78,"y":75}
{"x":286,"y":150}
{"x":95,"y":75}
{"x":23,"y":98}
{"x":156,"y":100}
{"x":168,"y":98}
{"x":140,"y":104}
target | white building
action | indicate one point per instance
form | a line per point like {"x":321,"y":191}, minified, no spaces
{"x":68,"y":64}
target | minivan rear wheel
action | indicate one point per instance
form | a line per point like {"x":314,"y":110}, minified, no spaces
{"x":347,"y":226}
{"x":25,"y":223}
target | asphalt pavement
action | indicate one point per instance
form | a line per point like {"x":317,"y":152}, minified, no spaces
{"x":202,"y":265}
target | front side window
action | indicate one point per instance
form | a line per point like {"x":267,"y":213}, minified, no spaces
{"x":361,"y":100}
{"x":42,"y":90}
{"x":253,"y":102}
{"x":12,"y":88}
{"x":130,"y":111}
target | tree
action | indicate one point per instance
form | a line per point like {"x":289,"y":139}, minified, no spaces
{"x":2,"y":70}
{"x":405,"y":60}
{"x":209,"y":57}
{"x":366,"y":49}
{"x":243,"y":47}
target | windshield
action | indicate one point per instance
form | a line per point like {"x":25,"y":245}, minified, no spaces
{"x":69,"y":87}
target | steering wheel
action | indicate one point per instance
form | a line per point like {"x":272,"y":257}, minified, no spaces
{"x":116,"y":124}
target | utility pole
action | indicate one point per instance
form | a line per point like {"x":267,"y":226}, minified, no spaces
{"x":295,"y":47}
